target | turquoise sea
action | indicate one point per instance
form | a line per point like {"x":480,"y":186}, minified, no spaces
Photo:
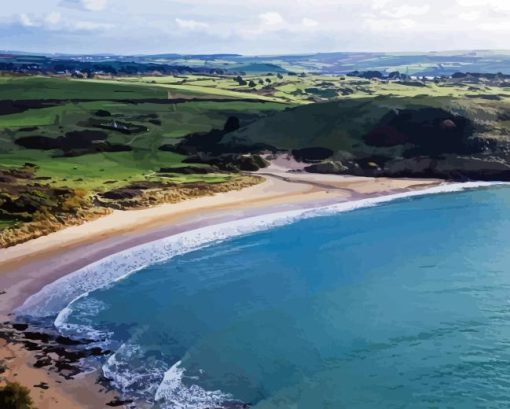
{"x":401,"y":305}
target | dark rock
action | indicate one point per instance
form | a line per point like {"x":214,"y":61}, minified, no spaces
{"x":68,"y":341}
{"x":32,"y":346}
{"x":117,"y":402}
{"x":122,"y":194}
{"x":41,"y":363}
{"x":20,"y":327}
{"x":37,"y":336}
{"x":315,"y":154}
{"x":42,"y":385}
{"x":330,"y":167}
{"x":449,"y":167}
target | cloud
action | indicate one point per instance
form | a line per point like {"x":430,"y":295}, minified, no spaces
{"x":26,"y":21}
{"x":54,"y":21}
{"x":496,"y":27}
{"x":253,"y":26}
{"x":271,"y":18}
{"x":389,"y":24}
{"x":406,"y":10}
{"x":497,"y":5}
{"x":470,"y":15}
{"x":90,"y":5}
{"x":308,"y":22}
{"x":53,"y":18}
{"x":191,"y":24}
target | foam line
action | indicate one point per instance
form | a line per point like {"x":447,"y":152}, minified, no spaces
{"x":56,"y":298}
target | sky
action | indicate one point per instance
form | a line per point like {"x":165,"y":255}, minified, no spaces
{"x":252,"y":27}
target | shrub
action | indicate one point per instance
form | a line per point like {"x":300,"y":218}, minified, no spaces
{"x":15,"y":396}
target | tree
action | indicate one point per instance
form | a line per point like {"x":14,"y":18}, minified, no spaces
{"x":261,"y":82}
{"x":268,"y":80}
{"x":280,"y":76}
{"x":240,"y":80}
{"x":15,"y":396}
{"x":252,"y":84}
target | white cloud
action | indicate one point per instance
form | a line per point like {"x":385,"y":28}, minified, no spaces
{"x":255,"y":26}
{"x":388,"y":25}
{"x":88,"y":26}
{"x":470,"y":15}
{"x":501,"y":27}
{"x":497,"y":5}
{"x":54,"y":21}
{"x":90,"y":5}
{"x":53,"y":18}
{"x":308,"y":22}
{"x":26,"y":21}
{"x":380,"y":4}
{"x":406,"y":10}
{"x":94,"y":5}
{"x":271,"y":18}
{"x":191,"y":24}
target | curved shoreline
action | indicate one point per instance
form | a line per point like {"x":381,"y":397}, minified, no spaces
{"x":27,"y":268}
{"x":57,"y":298}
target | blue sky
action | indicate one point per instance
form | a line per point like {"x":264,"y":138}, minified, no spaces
{"x":252,"y":26}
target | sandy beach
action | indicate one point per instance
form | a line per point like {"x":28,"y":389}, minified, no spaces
{"x":26,"y":268}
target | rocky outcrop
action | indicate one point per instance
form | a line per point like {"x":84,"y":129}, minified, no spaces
{"x":313,"y":154}
{"x":230,"y":162}
{"x":332,"y":167}
{"x":450,"y":167}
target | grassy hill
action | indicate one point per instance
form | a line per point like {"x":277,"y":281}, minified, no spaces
{"x":464,"y":137}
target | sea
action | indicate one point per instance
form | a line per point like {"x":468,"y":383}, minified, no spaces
{"x":394,"y":302}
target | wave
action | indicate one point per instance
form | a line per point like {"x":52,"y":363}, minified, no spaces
{"x":128,"y":368}
{"x":57,"y":298}
{"x":173,"y":393}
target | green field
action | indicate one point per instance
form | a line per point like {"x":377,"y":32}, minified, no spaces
{"x":205,"y":103}
{"x":95,"y":136}
{"x":131,"y":102}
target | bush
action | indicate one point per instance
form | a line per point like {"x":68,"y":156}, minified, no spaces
{"x":15,"y":396}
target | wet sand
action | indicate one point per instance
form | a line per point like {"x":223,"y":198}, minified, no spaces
{"x":26,"y":268}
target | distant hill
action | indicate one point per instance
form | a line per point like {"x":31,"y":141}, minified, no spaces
{"x":417,"y":64}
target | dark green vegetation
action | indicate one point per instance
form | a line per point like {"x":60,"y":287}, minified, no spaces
{"x":453,"y":138}
{"x":15,"y":396}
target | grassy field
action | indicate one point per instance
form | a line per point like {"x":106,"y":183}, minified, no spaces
{"x":136,"y":103}
{"x":132,"y":118}
{"x":209,"y":101}
{"x":309,"y":88}
{"x":63,"y":88}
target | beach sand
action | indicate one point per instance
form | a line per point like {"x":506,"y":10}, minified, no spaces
{"x":27,"y":267}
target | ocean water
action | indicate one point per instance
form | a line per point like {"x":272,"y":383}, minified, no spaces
{"x":401,"y":305}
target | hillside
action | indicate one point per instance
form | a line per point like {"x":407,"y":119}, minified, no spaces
{"x":455,"y":138}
